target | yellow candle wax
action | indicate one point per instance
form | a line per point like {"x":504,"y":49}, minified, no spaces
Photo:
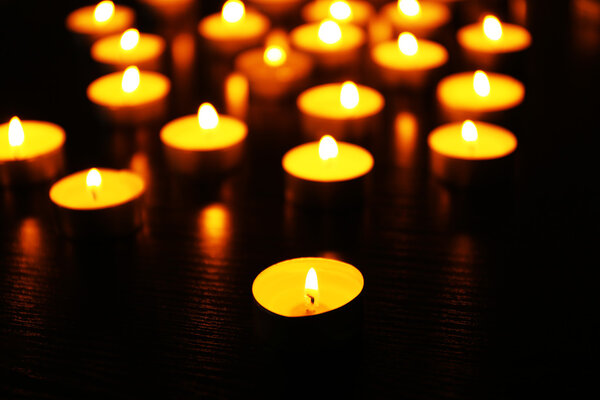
{"x":421,"y":18}
{"x":104,"y":18}
{"x":356,"y":12}
{"x":129,"y":48}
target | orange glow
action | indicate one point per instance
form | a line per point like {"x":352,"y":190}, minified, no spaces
{"x":328,"y":148}
{"x":349,"y":95}
{"x":207,"y":116}
{"x":311,"y":290}
{"x":481,"y":83}
{"x":330,"y":32}
{"x":233,"y":11}
{"x":340,"y":10}
{"x":407,"y":43}
{"x":131,"y":79}
{"x":130,"y":39}
{"x":16,"y":136}
{"x":274,"y":56}
{"x":104,"y":11}
{"x":492,"y":27}
{"x":409,"y":7}
{"x":469,"y":131}
{"x":236,"y":95}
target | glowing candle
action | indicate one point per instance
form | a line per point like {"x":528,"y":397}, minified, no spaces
{"x":98,"y":202}
{"x":423,"y":19}
{"x":471,"y":153}
{"x":236,"y":90}
{"x":204,"y":144}
{"x":129,"y":48}
{"x":100,"y":20}
{"x":356,"y":12}
{"x":30,"y":152}
{"x":345,"y":110}
{"x":131,"y":96}
{"x":235,"y":28}
{"x":478,"y":95}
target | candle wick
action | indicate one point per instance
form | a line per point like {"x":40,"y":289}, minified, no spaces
{"x":312,"y":299}
{"x":93,"y":194}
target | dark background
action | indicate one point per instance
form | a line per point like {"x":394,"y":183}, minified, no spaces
{"x":485,"y":294}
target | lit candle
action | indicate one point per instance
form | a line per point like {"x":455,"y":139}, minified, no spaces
{"x":30,"y":152}
{"x":129,"y":48}
{"x":355,"y":12}
{"x":423,"y":19}
{"x":235,"y":28}
{"x":408,"y":61}
{"x":471,"y":153}
{"x":98,"y":202}
{"x":236,"y":90}
{"x":326,"y":173}
{"x":345,"y":110}
{"x":204,"y":144}
{"x":100,"y":20}
{"x":131,"y":96}
{"x":478,"y":95}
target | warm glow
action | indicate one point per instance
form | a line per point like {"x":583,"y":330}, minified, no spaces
{"x":233,"y":11}
{"x":340,"y":10}
{"x":329,"y":32}
{"x":93,"y":178}
{"x":311,"y":289}
{"x":328,"y":148}
{"x":407,"y":43}
{"x":492,"y":27}
{"x":409,"y":7}
{"x":469,"y":131}
{"x":16,"y":136}
{"x":349,"y":95}
{"x":131,"y":79}
{"x":130,"y":39}
{"x":274,"y":56}
{"x":104,"y":11}
{"x":481,"y":83}
{"x":207,"y":116}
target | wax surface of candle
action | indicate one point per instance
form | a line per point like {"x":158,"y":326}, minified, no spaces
{"x":429,"y":55}
{"x":251,"y":25}
{"x":306,"y":37}
{"x":39,"y":138}
{"x":324,"y":101}
{"x":82,"y":21}
{"x":431,"y":15}
{"x":360,"y":12}
{"x":108,"y":50}
{"x":185,"y":133}
{"x":107,"y":90}
{"x":514,"y":38}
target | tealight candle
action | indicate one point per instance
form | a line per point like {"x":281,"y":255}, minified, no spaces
{"x":130,"y":48}
{"x":98,"y":202}
{"x":326,"y":173}
{"x":345,"y":110}
{"x":308,"y":300}
{"x":423,"y":19}
{"x":489,"y":43}
{"x":100,"y":20}
{"x":355,"y":12}
{"x":131,"y":96}
{"x":235,"y":28}
{"x":478,"y":95}
{"x":408,"y":61}
{"x":30,"y":151}
{"x":204,"y":144}
{"x":471,"y":153}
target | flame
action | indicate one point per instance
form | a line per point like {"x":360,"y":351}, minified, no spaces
{"x":328,"y":148}
{"x":481,"y":83}
{"x":131,"y":79}
{"x":409,"y":7}
{"x":407,"y":43}
{"x":349,"y":95}
{"x":492,"y":27}
{"x":130,"y":39}
{"x":329,"y":32}
{"x":207,"y":116}
{"x":469,"y":131}
{"x":16,"y":136}
{"x":104,"y":11}
{"x":311,"y":289}
{"x":233,"y":11}
{"x":274,"y":56}
{"x":340,"y":10}
{"x":93,"y":178}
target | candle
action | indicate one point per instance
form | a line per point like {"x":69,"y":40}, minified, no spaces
{"x":234,"y":29}
{"x":30,"y":152}
{"x":489,"y":43}
{"x":129,"y":48}
{"x":330,"y":45}
{"x":423,"y":19}
{"x":345,"y":110}
{"x":204,"y":144}
{"x":131,"y":96}
{"x":308,"y":300}
{"x":277,"y":9}
{"x":98,"y":202}
{"x":355,"y":12}
{"x":326,"y":173}
{"x":408,"y":62}
{"x":100,"y":20}
{"x":478,"y":95}
{"x":471,"y":153}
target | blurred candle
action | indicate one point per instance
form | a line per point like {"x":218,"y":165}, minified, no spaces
{"x":355,"y":12}
{"x":423,"y":19}
{"x":100,"y":20}
{"x":236,"y":95}
{"x":277,"y":9}
{"x":406,"y":135}
{"x":170,"y":8}
{"x":129,"y":48}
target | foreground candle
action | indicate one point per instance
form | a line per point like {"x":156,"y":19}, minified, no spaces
{"x":471,"y":153}
{"x":100,"y":20}
{"x":355,"y":12}
{"x":129,"y":48}
{"x":204,"y":144}
{"x":423,"y":19}
{"x":326,"y":173}
{"x":98,"y":202}
{"x":345,"y":110}
{"x":30,"y":151}
{"x":131,"y":96}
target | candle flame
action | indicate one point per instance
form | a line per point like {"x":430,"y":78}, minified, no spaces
{"x":233,"y":11}
{"x":208,"y":118}
{"x":311,"y":290}
{"x":349,"y":95}
{"x":481,"y":83}
{"x":340,"y":10}
{"x":329,"y":32}
{"x":130,"y":39}
{"x":104,"y":11}
{"x":469,"y":131}
{"x":409,"y":7}
{"x":328,"y":148}
{"x":274,"y":56}
{"x":492,"y":27}
{"x":407,"y":43}
{"x":16,"y":136}
{"x":93,"y":178}
{"x":131,"y":79}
